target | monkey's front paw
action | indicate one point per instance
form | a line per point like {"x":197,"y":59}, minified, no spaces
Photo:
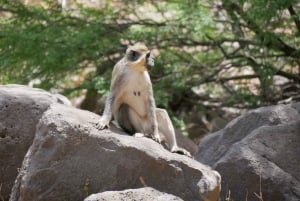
{"x":181,"y":151}
{"x":157,"y":138}
{"x":102,"y":124}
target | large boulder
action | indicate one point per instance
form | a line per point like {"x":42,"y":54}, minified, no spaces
{"x":69,"y":159}
{"x":257,"y":154}
{"x":144,"y":194}
{"x":21,"y":108}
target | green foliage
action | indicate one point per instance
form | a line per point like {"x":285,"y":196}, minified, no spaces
{"x":202,"y":44}
{"x":101,"y":84}
{"x":48,"y":45}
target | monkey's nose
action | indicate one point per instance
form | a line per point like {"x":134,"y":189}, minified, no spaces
{"x":148,"y":55}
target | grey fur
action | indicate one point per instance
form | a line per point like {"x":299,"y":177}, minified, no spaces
{"x":124,"y":120}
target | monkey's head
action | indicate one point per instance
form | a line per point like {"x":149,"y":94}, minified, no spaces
{"x":139,"y":57}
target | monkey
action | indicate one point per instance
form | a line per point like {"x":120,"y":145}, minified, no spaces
{"x":131,"y":103}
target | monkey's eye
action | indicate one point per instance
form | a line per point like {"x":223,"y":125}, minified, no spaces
{"x":133,"y":55}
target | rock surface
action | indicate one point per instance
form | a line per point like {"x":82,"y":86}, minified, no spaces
{"x":143,"y":194}
{"x":70,"y":159}
{"x":186,"y":143}
{"x":258,"y":151}
{"x":20,"y":109}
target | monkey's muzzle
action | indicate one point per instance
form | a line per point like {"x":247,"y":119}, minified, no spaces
{"x":149,"y":61}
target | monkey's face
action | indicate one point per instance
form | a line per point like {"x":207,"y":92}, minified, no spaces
{"x":139,"y":57}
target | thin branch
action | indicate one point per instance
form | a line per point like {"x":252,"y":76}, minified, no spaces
{"x":277,"y":71}
{"x":275,"y":42}
{"x":238,"y":77}
{"x":294,"y":16}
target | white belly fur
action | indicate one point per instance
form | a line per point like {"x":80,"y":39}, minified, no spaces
{"x":137,"y":92}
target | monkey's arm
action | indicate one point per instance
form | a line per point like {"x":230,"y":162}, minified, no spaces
{"x":110,"y":101}
{"x":107,"y":114}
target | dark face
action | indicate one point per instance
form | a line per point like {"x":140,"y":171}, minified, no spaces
{"x":134,"y":56}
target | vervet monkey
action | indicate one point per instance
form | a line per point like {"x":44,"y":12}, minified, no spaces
{"x":131,"y":102}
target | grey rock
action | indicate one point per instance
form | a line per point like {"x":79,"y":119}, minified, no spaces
{"x":186,"y":143}
{"x":20,"y":110}
{"x":70,"y":159}
{"x":141,"y":194}
{"x":257,"y":152}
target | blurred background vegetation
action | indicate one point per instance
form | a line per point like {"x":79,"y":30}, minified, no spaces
{"x":214,"y":58}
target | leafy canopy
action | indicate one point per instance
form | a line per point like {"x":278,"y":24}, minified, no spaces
{"x":217,"y":53}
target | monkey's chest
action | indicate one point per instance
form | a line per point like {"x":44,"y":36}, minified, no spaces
{"x":137,"y":95}
{"x":137,"y":99}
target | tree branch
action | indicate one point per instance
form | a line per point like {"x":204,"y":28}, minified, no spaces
{"x":238,"y":77}
{"x":268,"y":39}
{"x":294,"y":16}
{"x":277,"y":71}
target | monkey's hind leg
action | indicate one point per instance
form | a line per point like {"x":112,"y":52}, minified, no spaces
{"x":133,"y":124}
{"x":122,"y":118}
{"x":127,"y":120}
{"x":165,"y":127}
